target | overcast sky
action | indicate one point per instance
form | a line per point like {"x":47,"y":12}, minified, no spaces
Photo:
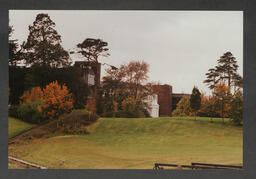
{"x":180,"y":46}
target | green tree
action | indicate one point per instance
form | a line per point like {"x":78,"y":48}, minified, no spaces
{"x":195,"y":101}
{"x":236,"y":108}
{"x":183,"y":107}
{"x":43,"y":45}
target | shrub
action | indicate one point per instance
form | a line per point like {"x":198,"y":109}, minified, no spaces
{"x":119,"y":114}
{"x":124,"y":114}
{"x":132,"y":108}
{"x":129,"y":104}
{"x":205,"y":114}
{"x":75,"y":122}
{"x":108,"y":114}
{"x":183,"y":107}
{"x":31,"y":112}
{"x":55,"y":100}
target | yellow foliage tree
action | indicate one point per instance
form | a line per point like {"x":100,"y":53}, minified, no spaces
{"x":222,"y":98}
{"x":129,"y":104}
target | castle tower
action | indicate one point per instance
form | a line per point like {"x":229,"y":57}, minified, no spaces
{"x":164,"y":93}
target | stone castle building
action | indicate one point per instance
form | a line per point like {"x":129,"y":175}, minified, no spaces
{"x":90,"y":72}
{"x":162,"y":103}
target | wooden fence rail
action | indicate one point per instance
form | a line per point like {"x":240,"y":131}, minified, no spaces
{"x":217,"y":165}
{"x":159,"y":166}
{"x":26,"y":163}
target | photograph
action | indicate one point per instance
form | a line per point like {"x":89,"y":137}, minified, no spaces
{"x":133,"y":89}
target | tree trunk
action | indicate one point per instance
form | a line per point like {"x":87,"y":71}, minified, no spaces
{"x":229,"y":79}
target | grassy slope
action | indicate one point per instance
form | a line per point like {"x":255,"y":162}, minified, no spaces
{"x":138,"y":143}
{"x":16,"y":126}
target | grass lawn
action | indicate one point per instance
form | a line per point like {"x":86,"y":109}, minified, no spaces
{"x":16,"y":126}
{"x":121,"y":143}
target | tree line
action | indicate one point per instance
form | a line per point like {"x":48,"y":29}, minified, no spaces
{"x":123,"y":89}
{"x":226,"y":99}
{"x":45,"y":61}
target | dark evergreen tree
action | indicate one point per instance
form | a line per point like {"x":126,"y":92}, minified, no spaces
{"x":14,"y":53}
{"x":91,"y":49}
{"x":237,"y":82}
{"x":212,"y":78}
{"x":224,"y":72}
{"x":227,"y":67}
{"x":43,"y":45}
{"x":195,"y":100}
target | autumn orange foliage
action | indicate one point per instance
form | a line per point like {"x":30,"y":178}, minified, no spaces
{"x":207,"y":106}
{"x":30,"y":96}
{"x":222,"y":97}
{"x":57,"y":100}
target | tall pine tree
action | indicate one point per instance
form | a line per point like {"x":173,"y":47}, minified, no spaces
{"x":227,"y":67}
{"x":91,"y":49}
{"x":224,"y":72}
{"x":43,"y":45}
{"x":212,"y":78}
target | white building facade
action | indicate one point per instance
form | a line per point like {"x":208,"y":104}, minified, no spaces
{"x":153,"y":105}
